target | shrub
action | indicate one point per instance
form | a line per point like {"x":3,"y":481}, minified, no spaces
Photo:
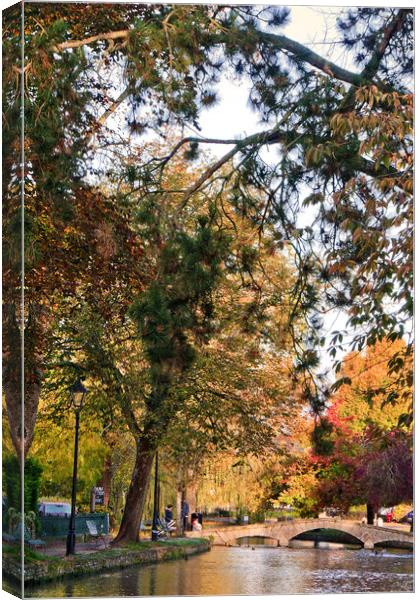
{"x":12,"y":484}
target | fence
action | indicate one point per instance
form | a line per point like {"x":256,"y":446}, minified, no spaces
{"x":52,"y":526}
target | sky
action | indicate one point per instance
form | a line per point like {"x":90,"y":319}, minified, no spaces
{"x":231,"y":117}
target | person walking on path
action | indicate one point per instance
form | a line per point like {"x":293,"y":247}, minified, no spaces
{"x":195,"y":523}
{"x":169,"y":515}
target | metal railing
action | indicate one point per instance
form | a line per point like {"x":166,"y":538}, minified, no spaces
{"x":53,"y":526}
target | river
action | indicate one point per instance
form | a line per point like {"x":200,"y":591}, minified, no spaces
{"x":251,"y":570}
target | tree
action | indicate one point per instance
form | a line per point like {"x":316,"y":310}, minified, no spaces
{"x":56,"y":199}
{"x":363,"y":446}
{"x":239,"y":333}
{"x":13,"y":486}
{"x":57,"y":459}
{"x":363,"y":400}
{"x":387,"y":473}
{"x":345,"y":134}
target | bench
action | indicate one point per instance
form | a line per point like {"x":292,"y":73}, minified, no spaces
{"x":95,"y":533}
{"x":16,"y":536}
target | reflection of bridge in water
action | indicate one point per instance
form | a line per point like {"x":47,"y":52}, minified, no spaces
{"x":284,"y":532}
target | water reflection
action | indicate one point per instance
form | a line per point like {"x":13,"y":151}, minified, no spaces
{"x":250,"y":570}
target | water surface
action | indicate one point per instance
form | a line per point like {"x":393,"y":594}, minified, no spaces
{"x":244,"y":570}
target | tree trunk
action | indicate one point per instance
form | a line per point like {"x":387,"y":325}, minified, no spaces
{"x":13,"y":396}
{"x":179,"y":519}
{"x":190,"y":490}
{"x":370,"y":513}
{"x":118,"y":505}
{"x":22,"y":434}
{"x":92,"y":500}
{"x":106,"y":481}
{"x":191,"y":496}
{"x":137,"y":493}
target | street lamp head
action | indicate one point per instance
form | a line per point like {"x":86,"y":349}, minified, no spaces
{"x":77,"y":394}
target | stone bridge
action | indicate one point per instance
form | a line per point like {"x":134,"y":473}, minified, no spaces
{"x":283,"y":532}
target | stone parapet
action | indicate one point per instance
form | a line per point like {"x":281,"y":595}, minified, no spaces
{"x":283,"y":532}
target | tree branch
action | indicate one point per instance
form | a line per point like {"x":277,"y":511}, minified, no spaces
{"x":372,"y":66}
{"x":109,"y":111}
{"x":272,"y":136}
{"x":277,"y":41}
{"x":110,"y":35}
{"x":192,"y":140}
{"x":305,"y":54}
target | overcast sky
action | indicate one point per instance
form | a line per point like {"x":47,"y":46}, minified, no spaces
{"x":309,"y":25}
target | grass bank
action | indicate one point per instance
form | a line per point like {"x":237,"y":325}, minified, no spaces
{"x":40,"y":567}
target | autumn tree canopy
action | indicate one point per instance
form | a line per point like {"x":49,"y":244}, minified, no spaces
{"x":363,"y":445}
{"x":97,"y":77}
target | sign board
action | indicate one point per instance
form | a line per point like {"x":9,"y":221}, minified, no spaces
{"x":99,"y":496}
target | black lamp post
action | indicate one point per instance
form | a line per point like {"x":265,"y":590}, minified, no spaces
{"x":77,"y":396}
{"x":155,"y":535}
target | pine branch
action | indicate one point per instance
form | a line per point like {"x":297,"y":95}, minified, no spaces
{"x":372,"y":66}
{"x":386,"y":35}
{"x":304,"y":54}
{"x":273,"y":136}
{"x":278,"y":41}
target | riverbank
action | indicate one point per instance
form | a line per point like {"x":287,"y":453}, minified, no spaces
{"x":41,"y":567}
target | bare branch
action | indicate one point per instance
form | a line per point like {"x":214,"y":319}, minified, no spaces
{"x":387,"y":33}
{"x":114,"y":106}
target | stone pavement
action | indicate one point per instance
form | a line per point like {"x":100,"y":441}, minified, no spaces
{"x":58,"y":548}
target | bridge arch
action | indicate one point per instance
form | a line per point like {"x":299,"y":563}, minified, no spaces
{"x":405,"y":545}
{"x":300,"y":527}
{"x":238,"y":540}
{"x":349,"y":538}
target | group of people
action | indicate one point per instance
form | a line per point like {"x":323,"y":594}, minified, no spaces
{"x":195,"y":519}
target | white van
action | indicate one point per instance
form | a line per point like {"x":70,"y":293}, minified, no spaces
{"x":56,"y":509}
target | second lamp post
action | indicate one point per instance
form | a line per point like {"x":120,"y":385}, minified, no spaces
{"x":155,"y":531}
{"x":77,"y":396}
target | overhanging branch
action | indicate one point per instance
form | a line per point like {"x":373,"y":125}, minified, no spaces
{"x":304,"y":54}
{"x":273,"y":136}
{"x":109,"y":35}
